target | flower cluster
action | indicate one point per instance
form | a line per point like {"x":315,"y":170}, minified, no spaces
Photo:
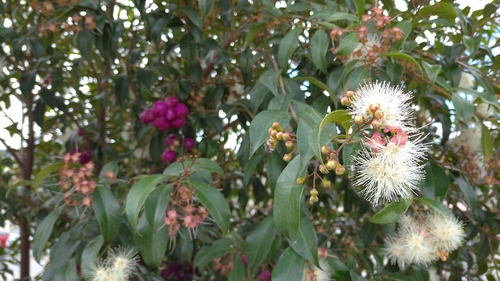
{"x":276,"y":134}
{"x":166,"y":114}
{"x":390,"y":164}
{"x":76,"y":177}
{"x":424,"y":242}
{"x":186,"y":213}
{"x":375,"y":38}
{"x":119,"y":266}
{"x":172,"y":143}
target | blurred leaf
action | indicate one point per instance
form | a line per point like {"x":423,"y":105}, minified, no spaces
{"x":107,"y":211}
{"x":45,"y":172}
{"x":288,"y":267}
{"x":238,"y":272}
{"x":215,"y":203}
{"x":156,"y":205}
{"x":391,"y":212}
{"x":90,"y":252}
{"x":340,"y":270}
{"x":27,"y":82}
{"x":151,"y":244}
{"x":435,"y":206}
{"x":138,"y":195}
{"x":305,"y":243}
{"x":261,"y":123}
{"x":432,"y":71}
{"x":342,"y":16}
{"x":270,"y":80}
{"x":441,"y":9}
{"x":176,"y":169}
{"x":314,"y":81}
{"x":436,"y":180}
{"x":319,"y":47}
{"x":469,"y":194}
{"x":486,"y":143}
{"x":258,"y":242}
{"x":463,"y":107}
{"x":110,"y":166}
{"x":287,"y":46}
{"x":252,"y":33}
{"x":43,"y":232}
{"x":404,"y":56}
{"x":360,"y":8}
{"x":205,"y":7}
{"x":85,"y":41}
{"x":348,"y":44}
{"x":121,"y":88}
{"x":287,"y":197}
{"x":398,"y":277}
{"x":472,"y":43}
{"x":209,"y":252}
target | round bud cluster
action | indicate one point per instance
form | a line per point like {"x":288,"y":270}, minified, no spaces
{"x":172,"y":143}
{"x":166,"y":114}
{"x":185,"y":212}
{"x":276,"y":134}
{"x":75,"y":177}
{"x":314,"y":196}
{"x":332,"y":163}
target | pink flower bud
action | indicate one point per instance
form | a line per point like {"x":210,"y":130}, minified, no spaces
{"x":170,"y":114}
{"x":168,"y":156}
{"x":159,"y":122}
{"x":189,"y":143}
{"x":172,"y":101}
{"x":159,"y":108}
{"x":170,"y":140}
{"x":181,"y":110}
{"x":178,"y":123}
{"x":147,"y":116}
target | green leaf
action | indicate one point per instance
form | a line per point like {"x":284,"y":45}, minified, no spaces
{"x":340,"y":270}
{"x":17,"y":184}
{"x":314,"y":81}
{"x":472,"y":44}
{"x":85,"y":41}
{"x":261,"y":123}
{"x":348,"y":44}
{"x":151,"y":244}
{"x":238,"y":272}
{"x":215,"y":203}
{"x":270,"y":80}
{"x":192,"y":14}
{"x":287,"y":197}
{"x":121,"y":88}
{"x":470,"y":195}
{"x":43,"y":232}
{"x":89,"y":254}
{"x":205,"y":7}
{"x":342,"y":16}
{"x":107,"y":211}
{"x":436,"y":180}
{"x":441,"y":10}
{"x":341,"y":117}
{"x":463,"y":107}
{"x":138,"y":195}
{"x":287,"y":46}
{"x":156,"y":205}
{"x":306,"y":243}
{"x":110,"y":166}
{"x":404,"y":56}
{"x":432,"y":71}
{"x":406,"y":28}
{"x":288,"y":267}
{"x":176,"y":169}
{"x":27,"y":82}
{"x":391,"y":212}
{"x":259,"y":241}
{"x":319,"y":46}
{"x":398,"y":277}
{"x":209,"y":252}
{"x":360,"y":8}
{"x":435,"y":206}
{"x":252,"y":33}
{"x":486,"y":143}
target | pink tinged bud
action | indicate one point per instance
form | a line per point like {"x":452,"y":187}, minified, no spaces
{"x":323,"y":169}
{"x":189,"y":143}
{"x":379,"y":114}
{"x":374,"y":107}
{"x":147,"y":116}
{"x":365,"y":18}
{"x":170,"y":114}
{"x":325,"y":150}
{"x":345,"y":101}
{"x":359,"y":119}
{"x":171,"y":101}
{"x":287,"y":158}
{"x":340,"y":170}
{"x":181,"y":110}
{"x":170,"y":140}
{"x":265,"y":275}
{"x":289,"y":145}
{"x":168,"y":156}
{"x":400,"y":139}
{"x":172,"y":214}
{"x":178,"y":123}
{"x":81,"y":131}
{"x":87,"y":201}
{"x":159,"y":108}
{"x":331,"y":164}
{"x":244,"y":259}
{"x":349,"y":94}
{"x":376,"y":124}
{"x":279,"y":136}
{"x":286,"y":136}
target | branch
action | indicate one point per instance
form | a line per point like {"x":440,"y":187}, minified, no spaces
{"x":13,"y":152}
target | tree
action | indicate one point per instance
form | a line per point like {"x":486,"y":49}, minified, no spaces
{"x":244,"y":140}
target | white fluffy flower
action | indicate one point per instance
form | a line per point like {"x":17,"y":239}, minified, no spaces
{"x":433,"y":275}
{"x":419,"y":249}
{"x":119,"y":266}
{"x":98,"y":273}
{"x":395,"y":251}
{"x":390,"y":171}
{"x":466,"y":80}
{"x":370,"y":47}
{"x":446,"y":232}
{"x":393,"y":103}
{"x":313,"y":273}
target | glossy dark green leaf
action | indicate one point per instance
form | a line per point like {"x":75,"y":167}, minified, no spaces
{"x":205,"y":7}
{"x":209,"y":252}
{"x":319,"y":46}
{"x":111,"y":167}
{"x":463,"y":107}
{"x":121,"y":88}
{"x":39,"y":112}
{"x":305,"y":243}
{"x":287,"y":197}
{"x":107,"y":211}
{"x":316,"y":82}
{"x":43,"y":232}
{"x":151,"y":244}
{"x":275,"y":165}
{"x":45,"y":172}
{"x":258,"y":242}
{"x":156,"y":205}
{"x":340,"y":270}
{"x":238,"y":272}
{"x":89,"y":254}
{"x":348,"y":44}
{"x":270,"y":79}
{"x":215,"y":203}
{"x":436,"y":180}
{"x":288,"y":267}
{"x":472,"y":43}
{"x":435,"y":206}
{"x":432,"y":71}
{"x":261,"y":123}
{"x":252,"y":33}
{"x":138,"y":195}
{"x":85,"y":41}
{"x":287,"y":46}
{"x":391,"y":212}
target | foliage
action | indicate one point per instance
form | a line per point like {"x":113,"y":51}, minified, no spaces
{"x":219,"y":195}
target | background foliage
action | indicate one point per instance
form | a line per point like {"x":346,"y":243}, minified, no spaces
{"x":83,"y":71}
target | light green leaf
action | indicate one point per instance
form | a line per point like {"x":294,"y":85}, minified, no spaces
{"x":287,"y":46}
{"x":391,"y":212}
{"x":319,"y":46}
{"x":463,"y":107}
{"x":47,"y":170}
{"x":90,"y":253}
{"x":435,"y":206}
{"x":314,"y":81}
{"x":348,"y":44}
{"x":288,"y":267}
{"x":270,"y":80}
{"x":17,"y":184}
{"x":486,"y":143}
{"x":404,"y":56}
{"x":215,"y":203}
{"x":441,"y":10}
{"x":360,"y":8}
{"x":472,"y":44}
{"x":107,"y":211}
{"x":176,"y":169}
{"x":258,"y":242}
{"x":342,"y":16}
{"x":43,"y":232}
{"x":110,"y":166}
{"x":432,"y":71}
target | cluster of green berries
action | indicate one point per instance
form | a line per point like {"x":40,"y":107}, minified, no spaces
{"x":276,"y":134}
{"x":332,"y":162}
